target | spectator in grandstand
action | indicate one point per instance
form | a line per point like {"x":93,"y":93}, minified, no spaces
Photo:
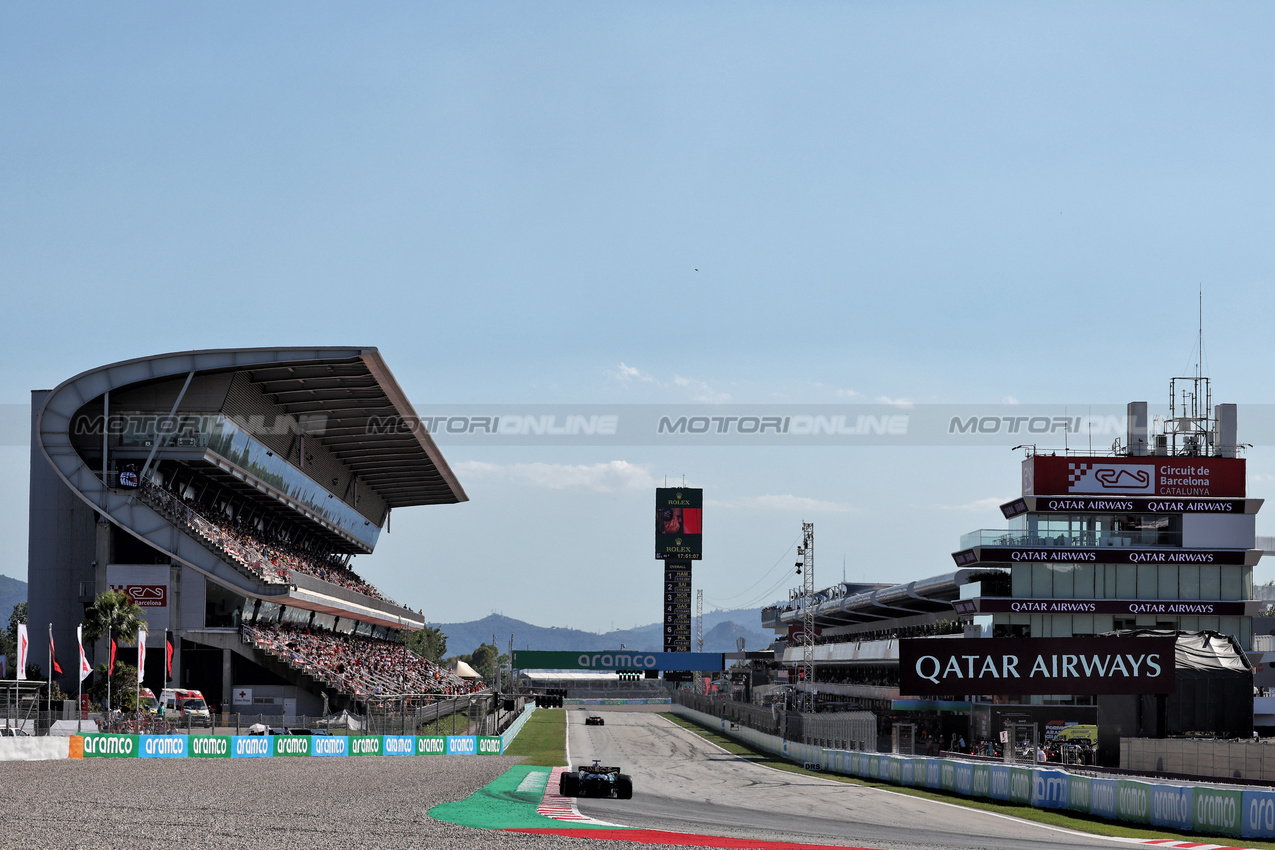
{"x":269,"y":555}
{"x":356,"y":665}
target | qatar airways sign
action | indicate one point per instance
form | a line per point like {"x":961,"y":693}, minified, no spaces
{"x":1007,"y":666}
{"x":1134,"y":476}
{"x":1105,"y":555}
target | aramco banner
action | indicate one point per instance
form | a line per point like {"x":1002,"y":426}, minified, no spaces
{"x":619,"y":659}
{"x":1002,"y":666}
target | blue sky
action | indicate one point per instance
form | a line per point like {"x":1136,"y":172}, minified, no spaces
{"x":651,"y":203}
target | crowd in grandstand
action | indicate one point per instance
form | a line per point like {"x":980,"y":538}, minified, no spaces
{"x":358,"y":666}
{"x":268,"y":555}
{"x":875,"y":676}
{"x":942,"y":627}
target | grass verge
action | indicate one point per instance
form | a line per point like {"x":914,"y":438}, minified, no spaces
{"x":543,"y":741}
{"x":1048,"y":817}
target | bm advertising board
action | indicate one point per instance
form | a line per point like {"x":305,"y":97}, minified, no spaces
{"x":1004,"y":666}
{"x":679,"y":523}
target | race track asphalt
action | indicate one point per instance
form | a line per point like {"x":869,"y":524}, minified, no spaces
{"x":684,"y":783}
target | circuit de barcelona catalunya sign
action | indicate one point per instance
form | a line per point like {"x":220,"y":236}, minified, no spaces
{"x":620,"y":659}
{"x":1002,"y":666}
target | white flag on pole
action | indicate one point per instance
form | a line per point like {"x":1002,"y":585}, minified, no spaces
{"x":85,"y":669}
{"x":141,"y":656}
{"x":21,"y":672}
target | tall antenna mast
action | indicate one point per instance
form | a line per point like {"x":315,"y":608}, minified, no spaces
{"x":1199,"y":352}
{"x":1191,"y":433}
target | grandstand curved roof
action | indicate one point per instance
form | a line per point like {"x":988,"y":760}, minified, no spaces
{"x":366,"y":421}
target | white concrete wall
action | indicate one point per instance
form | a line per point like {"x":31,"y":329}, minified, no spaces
{"x":34,"y":749}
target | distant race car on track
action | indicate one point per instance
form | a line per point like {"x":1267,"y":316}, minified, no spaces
{"x":596,"y":780}
{"x":594,"y":720}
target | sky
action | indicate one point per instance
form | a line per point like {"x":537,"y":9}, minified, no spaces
{"x":901,"y":204}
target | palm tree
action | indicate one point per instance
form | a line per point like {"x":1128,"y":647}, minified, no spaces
{"x":114,"y":613}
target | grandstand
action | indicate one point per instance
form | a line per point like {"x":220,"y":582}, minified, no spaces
{"x":230,"y":492}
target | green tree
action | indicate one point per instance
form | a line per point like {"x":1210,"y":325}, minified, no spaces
{"x":123,"y":686}
{"x":484,"y":660}
{"x":429,"y":643}
{"x":116,"y":613}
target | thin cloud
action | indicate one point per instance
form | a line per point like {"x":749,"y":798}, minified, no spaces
{"x":785,"y":502}
{"x":608,"y":477}
{"x":700,"y":391}
{"x":895,"y":402}
{"x":626,"y":374}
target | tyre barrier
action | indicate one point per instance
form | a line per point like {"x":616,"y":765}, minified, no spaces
{"x":1180,"y":806}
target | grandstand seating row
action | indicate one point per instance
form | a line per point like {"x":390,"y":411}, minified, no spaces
{"x":245,"y":546}
{"x":355,"y":665}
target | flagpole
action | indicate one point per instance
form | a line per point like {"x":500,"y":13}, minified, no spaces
{"x":141,"y":671}
{"x":110,"y":669}
{"x":50,"y":675}
{"x":79,"y":701}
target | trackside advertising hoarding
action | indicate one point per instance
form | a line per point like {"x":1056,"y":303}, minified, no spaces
{"x":285,"y":746}
{"x":110,"y":746}
{"x":619,"y":659}
{"x":209,"y":747}
{"x":1004,"y":666}
{"x":330,"y":745}
{"x":162,"y":746}
{"x":291,"y":745}
{"x":431,"y":745}
{"x":679,"y":523}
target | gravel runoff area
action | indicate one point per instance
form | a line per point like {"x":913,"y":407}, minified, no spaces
{"x":304,"y":803}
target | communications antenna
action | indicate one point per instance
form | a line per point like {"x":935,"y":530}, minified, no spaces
{"x":1190,"y":427}
{"x":806,"y":566}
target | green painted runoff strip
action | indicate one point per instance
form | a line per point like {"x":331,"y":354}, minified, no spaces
{"x":501,"y":805}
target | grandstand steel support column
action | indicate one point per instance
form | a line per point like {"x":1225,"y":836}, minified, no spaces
{"x":162,"y":437}
{"x":807,"y":553}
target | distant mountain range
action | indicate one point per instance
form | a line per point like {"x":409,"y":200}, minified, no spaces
{"x":721,"y":630}
{"x":12,"y":592}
